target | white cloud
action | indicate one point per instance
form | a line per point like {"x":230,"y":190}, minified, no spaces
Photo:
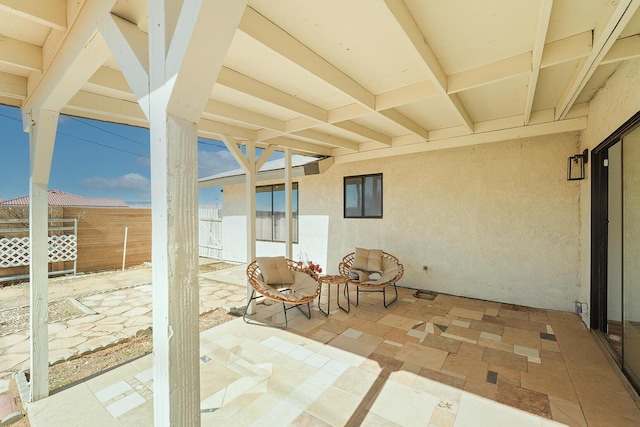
{"x":128,"y":182}
{"x":214,"y":162}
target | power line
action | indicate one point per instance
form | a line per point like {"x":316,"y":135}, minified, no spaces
{"x":219,"y":144}
{"x":9,"y":117}
{"x":107,"y":131}
{"x":85,"y":140}
{"x":102,"y":145}
{"x":200,"y":140}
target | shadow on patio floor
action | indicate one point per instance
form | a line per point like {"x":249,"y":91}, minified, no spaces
{"x":443,"y":362}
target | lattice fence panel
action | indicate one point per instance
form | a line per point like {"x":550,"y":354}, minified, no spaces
{"x":14,"y":252}
{"x":62,"y":248}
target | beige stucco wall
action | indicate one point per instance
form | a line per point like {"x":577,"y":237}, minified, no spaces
{"x":613,"y":105}
{"x":496,"y":221}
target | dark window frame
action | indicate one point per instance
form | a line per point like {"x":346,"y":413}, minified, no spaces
{"x":294,"y":213}
{"x":352,"y":180}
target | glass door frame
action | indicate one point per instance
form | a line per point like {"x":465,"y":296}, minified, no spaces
{"x":599,"y":235}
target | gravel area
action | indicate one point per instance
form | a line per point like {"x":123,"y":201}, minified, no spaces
{"x":17,"y":319}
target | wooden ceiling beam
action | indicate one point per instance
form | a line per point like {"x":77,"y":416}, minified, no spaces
{"x":20,"y":54}
{"x":299,"y":146}
{"x":13,"y":86}
{"x":489,"y":73}
{"x":542,"y":24}
{"x":228,"y":111}
{"x":51,"y":13}
{"x":275,"y":38}
{"x":213,"y":128}
{"x":567,"y":49}
{"x":605,"y":38}
{"x":406,"y":95}
{"x":81,"y":53}
{"x":237,"y":81}
{"x":622,"y":50}
{"x":417,"y":40}
{"x":328,"y":139}
{"x":363,"y":131}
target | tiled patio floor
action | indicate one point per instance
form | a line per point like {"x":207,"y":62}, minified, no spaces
{"x":444,"y":362}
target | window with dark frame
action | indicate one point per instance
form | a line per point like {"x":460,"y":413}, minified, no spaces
{"x":270,"y":213}
{"x":363,"y":196}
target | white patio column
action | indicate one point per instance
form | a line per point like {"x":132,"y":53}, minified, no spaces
{"x":188,"y":41}
{"x":247,"y":162}
{"x":251,"y":166}
{"x":174,"y":199}
{"x":288,"y":196}
{"x":80,"y":55}
{"x":250,"y":193}
{"x":42,"y":134}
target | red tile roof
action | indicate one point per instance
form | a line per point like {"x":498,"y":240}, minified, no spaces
{"x":60,"y":198}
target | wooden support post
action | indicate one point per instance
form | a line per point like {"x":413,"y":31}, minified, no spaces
{"x":288,"y":196}
{"x":42,"y":133}
{"x":251,"y":213}
{"x":176,"y":340}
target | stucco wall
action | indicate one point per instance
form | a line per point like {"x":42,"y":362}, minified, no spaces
{"x":613,"y":105}
{"x":495,"y":221}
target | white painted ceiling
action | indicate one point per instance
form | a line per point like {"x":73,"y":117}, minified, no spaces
{"x":350,"y":78}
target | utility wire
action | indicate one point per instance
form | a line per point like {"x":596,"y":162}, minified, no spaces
{"x":200,"y":141}
{"x":107,"y":131}
{"x":102,"y":145}
{"x":9,"y":117}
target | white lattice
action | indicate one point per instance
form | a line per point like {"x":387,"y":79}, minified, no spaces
{"x":62,"y":248}
{"x":14,"y":252}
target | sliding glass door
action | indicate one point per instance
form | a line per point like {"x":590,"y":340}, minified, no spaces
{"x":615,"y":252}
{"x":631,"y":253}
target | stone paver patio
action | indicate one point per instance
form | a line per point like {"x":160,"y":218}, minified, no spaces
{"x":445,"y":362}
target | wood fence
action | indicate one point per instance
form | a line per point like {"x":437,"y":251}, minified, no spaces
{"x":101,"y":234}
{"x":101,"y":237}
{"x":210,"y":232}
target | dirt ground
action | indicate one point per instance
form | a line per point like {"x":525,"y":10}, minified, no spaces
{"x":73,"y":370}
{"x":14,"y":316}
{"x":17,"y":319}
{"x":17,"y":295}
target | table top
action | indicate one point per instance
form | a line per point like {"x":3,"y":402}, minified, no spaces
{"x":333,"y":279}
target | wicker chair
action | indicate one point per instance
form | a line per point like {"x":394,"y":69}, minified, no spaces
{"x":392,"y":271}
{"x":304,"y":290}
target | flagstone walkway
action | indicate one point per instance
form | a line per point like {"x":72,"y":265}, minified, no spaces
{"x":110,"y":316}
{"x":113,"y":316}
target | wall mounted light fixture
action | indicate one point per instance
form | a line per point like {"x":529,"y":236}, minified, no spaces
{"x":575,"y":165}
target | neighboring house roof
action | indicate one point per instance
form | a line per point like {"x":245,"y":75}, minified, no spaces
{"x":272,"y":169}
{"x":60,"y":198}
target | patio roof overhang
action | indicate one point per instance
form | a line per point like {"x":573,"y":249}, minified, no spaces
{"x":357,"y":80}
{"x":348,"y":80}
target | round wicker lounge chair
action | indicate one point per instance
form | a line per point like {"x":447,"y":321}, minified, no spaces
{"x":301,"y":290}
{"x":391,"y":272}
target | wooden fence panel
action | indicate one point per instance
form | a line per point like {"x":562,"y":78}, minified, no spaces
{"x":101,"y":237}
{"x":210,"y":232}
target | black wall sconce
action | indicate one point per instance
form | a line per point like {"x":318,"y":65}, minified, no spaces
{"x":575,"y":165}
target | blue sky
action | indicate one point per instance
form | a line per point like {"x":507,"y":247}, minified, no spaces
{"x":97,"y":159}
